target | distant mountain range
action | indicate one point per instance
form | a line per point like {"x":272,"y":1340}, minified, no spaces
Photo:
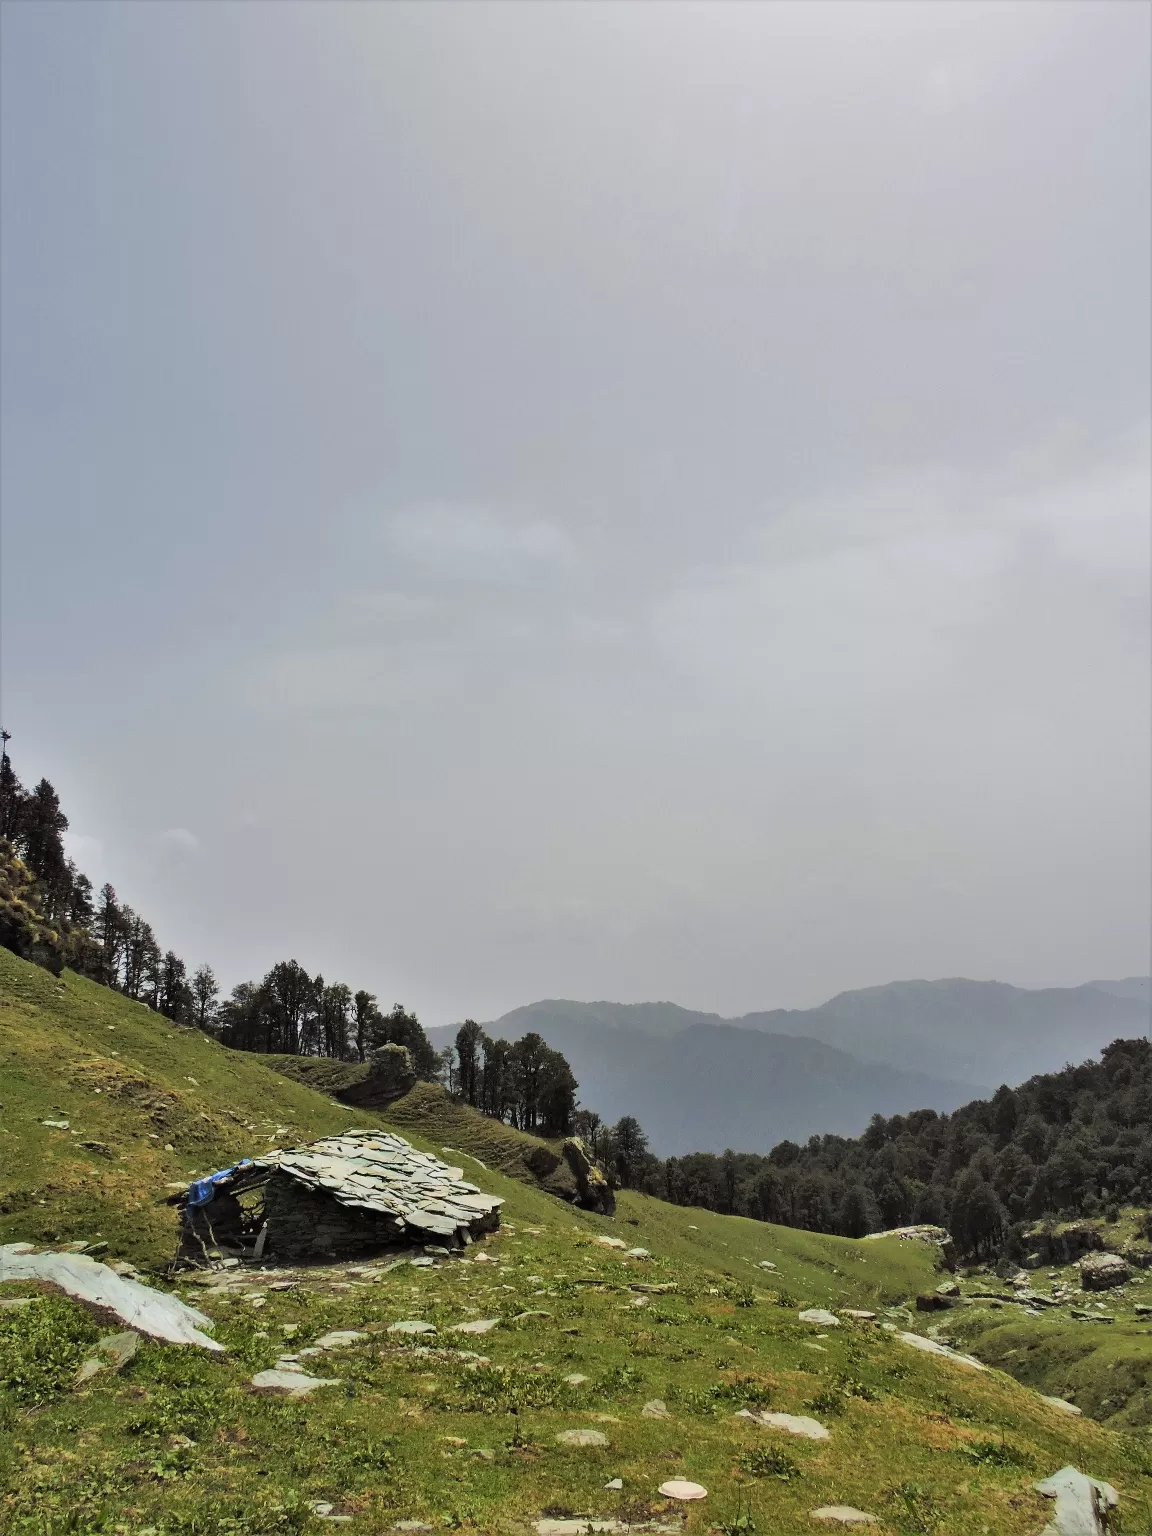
{"x":700,"y":1082}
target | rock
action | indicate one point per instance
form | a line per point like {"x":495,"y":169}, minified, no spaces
{"x":1102,"y":1271}
{"x":293,"y":1383}
{"x":324,"y":1511}
{"x":793,"y":1424}
{"x":89,"y":1369}
{"x":594,"y":1193}
{"x":414,"y":1325}
{"x":16,"y":1303}
{"x":118,"y":1349}
{"x":767,"y":1264}
{"x":1061,"y":1406}
{"x":934,"y":1302}
{"x":680,"y":1488}
{"x":843,"y":1514}
{"x":948,"y":1288}
{"x":581,"y":1437}
{"x":931,"y":1347}
{"x":56,"y":1125}
{"x":819,"y":1316}
{"x":655,"y":1410}
{"x":616,"y":1484}
{"x":612,"y":1242}
{"x":481,"y":1325}
{"x":637,"y":1253}
{"x":1082,"y":1503}
{"x":858,"y":1314}
{"x":154,"y":1312}
{"x":340,"y":1339}
{"x":575,"y":1527}
{"x":576,"y":1380}
{"x":411,"y":1525}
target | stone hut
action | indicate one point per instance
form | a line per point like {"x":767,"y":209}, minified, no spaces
{"x":345,"y":1197}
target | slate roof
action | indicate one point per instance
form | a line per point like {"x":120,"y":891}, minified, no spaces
{"x":378,"y":1171}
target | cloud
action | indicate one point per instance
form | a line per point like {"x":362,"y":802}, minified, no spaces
{"x":463,"y":543}
{"x":178,"y":844}
{"x":83,"y":850}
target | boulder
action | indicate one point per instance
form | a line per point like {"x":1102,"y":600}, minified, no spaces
{"x":581,"y":1437}
{"x":843,"y":1514}
{"x":595,"y":1192}
{"x":291,"y":1383}
{"x":1083,"y":1503}
{"x":1102,"y":1271}
{"x":934,"y":1302}
{"x":791,"y":1423}
{"x":820,"y":1317}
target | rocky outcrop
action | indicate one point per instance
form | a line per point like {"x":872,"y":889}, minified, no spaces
{"x":595,"y":1191}
{"x":389,"y":1076}
{"x":1102,"y":1271}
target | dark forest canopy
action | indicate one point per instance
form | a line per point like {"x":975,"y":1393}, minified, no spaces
{"x":1063,"y":1144}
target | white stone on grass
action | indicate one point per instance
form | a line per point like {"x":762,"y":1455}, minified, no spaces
{"x":1082,"y":1503}
{"x":792,"y":1423}
{"x":481,"y":1325}
{"x":680,"y":1488}
{"x":655,"y":1410}
{"x":292,"y":1383}
{"x":576,"y":1380}
{"x":843,"y":1514}
{"x":581,"y":1437}
{"x":931,"y":1347}
{"x":1061,"y":1406}
{"x":819,"y":1316}
{"x":576,"y":1527}
{"x":412,"y":1325}
{"x":858,"y":1314}
{"x":340,"y":1338}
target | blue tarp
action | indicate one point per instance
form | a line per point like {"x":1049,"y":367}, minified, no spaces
{"x":204,"y":1190}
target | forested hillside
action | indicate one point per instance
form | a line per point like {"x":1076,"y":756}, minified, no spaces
{"x":1063,"y":1144}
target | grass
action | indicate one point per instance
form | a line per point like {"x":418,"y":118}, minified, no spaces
{"x":178,"y":1444}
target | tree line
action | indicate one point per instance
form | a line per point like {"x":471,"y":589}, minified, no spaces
{"x":1064,"y":1144}
{"x":524,"y":1082}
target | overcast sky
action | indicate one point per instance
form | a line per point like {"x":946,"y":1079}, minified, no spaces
{"x":617,"y":501}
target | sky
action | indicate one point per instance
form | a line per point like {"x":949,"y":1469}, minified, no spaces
{"x":616,"y":502}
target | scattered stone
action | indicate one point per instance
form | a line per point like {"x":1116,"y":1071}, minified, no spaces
{"x":843,"y":1514}
{"x":575,"y":1527}
{"x":1102,"y":1271}
{"x":340,"y":1339}
{"x":935,"y":1301}
{"x":616,"y":1484}
{"x":767,"y":1264}
{"x":680,"y":1488}
{"x":637,"y":1253}
{"x":324,"y":1511}
{"x":581,"y":1437}
{"x":1061,"y":1405}
{"x":612,"y":1242}
{"x":413,"y":1325}
{"x":931,"y":1347}
{"x":858,"y":1314}
{"x":819,"y":1316}
{"x":293,"y":1383}
{"x":947,"y":1288}
{"x":794,"y":1424}
{"x":149,"y":1311}
{"x":655,"y":1410}
{"x":576,"y":1380}
{"x":56,"y":1125}
{"x":1082,"y":1503}
{"x":481,"y":1325}
{"x":522,"y":1317}
{"x":411,"y":1525}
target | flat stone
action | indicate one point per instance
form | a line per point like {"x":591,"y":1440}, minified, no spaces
{"x":819,"y":1316}
{"x":576,"y":1380}
{"x":481,"y":1325}
{"x":293,"y":1383}
{"x":637,"y":1253}
{"x":616,"y":1484}
{"x":56,"y":1125}
{"x":413,"y":1325}
{"x":581,"y":1437}
{"x":612,"y":1242}
{"x":118,"y":1348}
{"x":843,"y":1514}
{"x":931,"y":1347}
{"x":680,"y":1488}
{"x":655,"y":1410}
{"x":16,"y":1303}
{"x":858,"y":1314}
{"x":1061,"y":1406}
{"x":575,"y":1527}
{"x":766,"y":1264}
{"x":340,"y":1338}
{"x":791,"y":1423}
{"x":1082,"y":1503}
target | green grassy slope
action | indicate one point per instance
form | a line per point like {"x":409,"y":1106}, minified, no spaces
{"x":179,"y":1444}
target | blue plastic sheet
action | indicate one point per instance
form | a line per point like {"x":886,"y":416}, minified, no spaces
{"x":204,"y":1190}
